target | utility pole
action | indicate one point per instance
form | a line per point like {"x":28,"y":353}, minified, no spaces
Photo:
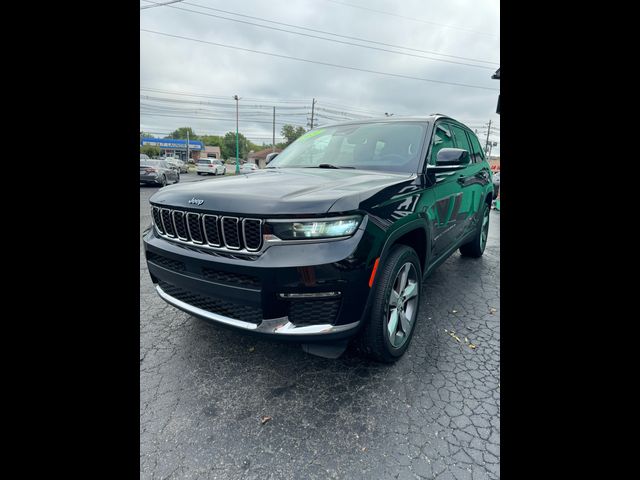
{"x":313,"y":104}
{"x":486,"y":145}
{"x":236,"y":98}
{"x":187,"y":160}
{"x":273,"y":145}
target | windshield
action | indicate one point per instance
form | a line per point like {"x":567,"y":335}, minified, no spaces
{"x":393,"y":146}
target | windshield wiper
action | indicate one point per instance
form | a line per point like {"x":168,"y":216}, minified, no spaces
{"x":328,"y":165}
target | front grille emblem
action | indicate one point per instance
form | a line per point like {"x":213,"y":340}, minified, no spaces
{"x":196,"y":201}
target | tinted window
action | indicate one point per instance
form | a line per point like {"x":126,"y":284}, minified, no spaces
{"x":442,"y":138}
{"x":392,"y":146}
{"x":461,"y":138}
{"x":476,"y":148}
{"x":204,"y":162}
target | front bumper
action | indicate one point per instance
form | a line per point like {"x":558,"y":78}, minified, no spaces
{"x":268,"y":294}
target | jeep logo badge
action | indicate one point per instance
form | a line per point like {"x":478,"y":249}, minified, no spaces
{"x":196,"y":201}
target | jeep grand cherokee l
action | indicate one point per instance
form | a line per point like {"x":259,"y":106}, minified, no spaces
{"x":332,"y":239}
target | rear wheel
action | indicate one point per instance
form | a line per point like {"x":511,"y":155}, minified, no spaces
{"x":475,"y":247}
{"x":394,"y":311}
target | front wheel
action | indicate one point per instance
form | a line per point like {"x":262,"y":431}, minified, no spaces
{"x":475,"y":247}
{"x":394,"y":310}
{"x":163,"y":181}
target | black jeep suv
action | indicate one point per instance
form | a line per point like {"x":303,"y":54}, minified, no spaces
{"x":332,"y":239}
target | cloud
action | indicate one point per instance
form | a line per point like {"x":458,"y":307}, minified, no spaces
{"x":176,"y":65}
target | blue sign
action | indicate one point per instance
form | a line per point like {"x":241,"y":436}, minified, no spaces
{"x":172,"y":143}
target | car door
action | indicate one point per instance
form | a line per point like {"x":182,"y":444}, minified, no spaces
{"x":447,"y":194}
{"x":472,"y":179}
{"x":169,"y":171}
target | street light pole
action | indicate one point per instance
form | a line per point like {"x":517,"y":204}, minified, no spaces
{"x":236,"y":98}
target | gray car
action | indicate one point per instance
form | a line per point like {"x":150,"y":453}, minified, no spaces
{"x":157,"y":172}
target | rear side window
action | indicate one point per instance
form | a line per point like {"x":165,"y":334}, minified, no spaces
{"x":476,"y":149}
{"x":461,"y":138}
{"x":441,"y":139}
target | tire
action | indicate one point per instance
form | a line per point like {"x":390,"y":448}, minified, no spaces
{"x":178,"y":178}
{"x":475,"y":247}
{"x":376,"y":337}
{"x":163,"y":182}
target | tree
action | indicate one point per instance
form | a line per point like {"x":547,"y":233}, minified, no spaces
{"x":150,"y":150}
{"x":228,"y":147}
{"x":212,"y":140}
{"x":291,"y":133}
{"x":182,"y":133}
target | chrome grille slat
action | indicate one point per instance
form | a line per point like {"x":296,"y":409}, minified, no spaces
{"x":211,"y":230}
{"x":230,"y":228}
{"x":243,"y":235}
{"x":167,"y":222}
{"x":252,"y":239}
{"x":179,"y":224}
{"x":157,"y":219}
{"x":195,"y":231}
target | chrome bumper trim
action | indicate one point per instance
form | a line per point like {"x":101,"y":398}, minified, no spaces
{"x":278,"y":326}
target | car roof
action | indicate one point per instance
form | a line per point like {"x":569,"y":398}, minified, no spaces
{"x":409,"y":118}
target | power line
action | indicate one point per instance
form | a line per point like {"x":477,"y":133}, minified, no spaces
{"x":159,"y":4}
{"x":220,"y":105}
{"x":413,"y":19}
{"x":303,"y":103}
{"x":330,"y":39}
{"x":153,"y":114}
{"x":319,"y":63}
{"x":324,"y":32}
{"x":220,"y":97}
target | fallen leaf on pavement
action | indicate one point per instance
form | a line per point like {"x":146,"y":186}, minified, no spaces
{"x":453,"y":334}
{"x":492,"y":310}
{"x":264,"y":419}
{"x":472,"y":346}
{"x":454,"y":311}
{"x":251,"y":349}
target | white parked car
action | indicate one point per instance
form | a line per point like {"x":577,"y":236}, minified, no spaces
{"x":248,"y":168}
{"x":210,"y":166}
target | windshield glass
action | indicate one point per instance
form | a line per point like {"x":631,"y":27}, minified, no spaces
{"x":393,"y":146}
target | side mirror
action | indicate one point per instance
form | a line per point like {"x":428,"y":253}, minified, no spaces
{"x":452,"y":157}
{"x":270,"y":157}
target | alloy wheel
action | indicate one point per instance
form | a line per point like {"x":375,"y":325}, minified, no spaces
{"x":403,"y":303}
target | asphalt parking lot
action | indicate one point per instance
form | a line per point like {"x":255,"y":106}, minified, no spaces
{"x":433,"y":414}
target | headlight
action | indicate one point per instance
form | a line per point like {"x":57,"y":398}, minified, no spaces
{"x":321,"y":228}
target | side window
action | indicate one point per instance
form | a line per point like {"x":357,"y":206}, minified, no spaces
{"x":461,"y":139}
{"x":476,"y":148}
{"x":441,"y":139}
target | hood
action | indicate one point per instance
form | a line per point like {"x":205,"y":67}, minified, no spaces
{"x":286,"y":191}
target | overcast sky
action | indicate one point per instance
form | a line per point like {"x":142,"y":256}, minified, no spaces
{"x":182,"y":80}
